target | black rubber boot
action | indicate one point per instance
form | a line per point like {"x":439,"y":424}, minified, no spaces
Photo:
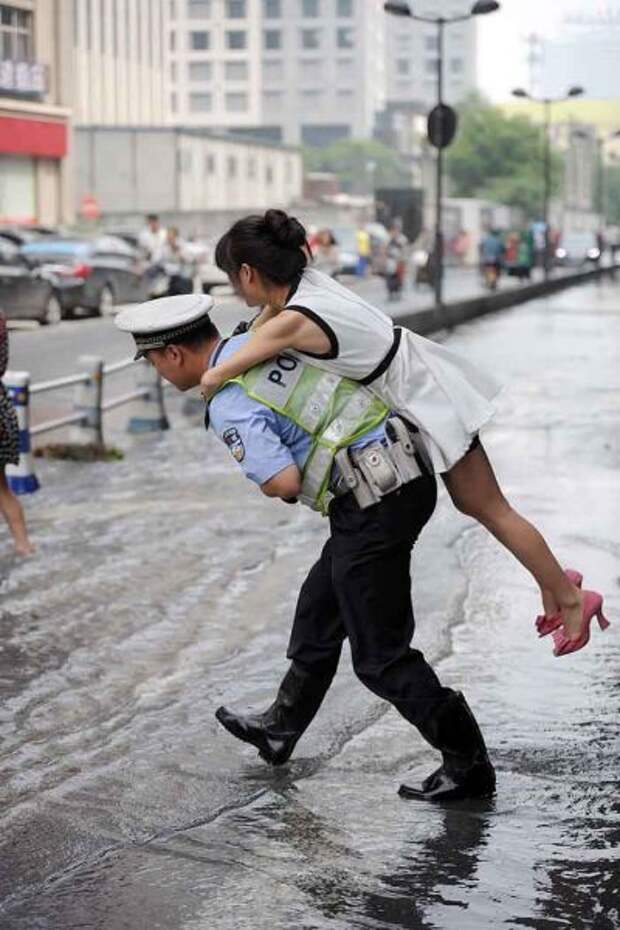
{"x":466,"y":771}
{"x":276,"y":731}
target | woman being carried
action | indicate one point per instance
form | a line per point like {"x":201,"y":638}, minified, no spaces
{"x":440,"y":392}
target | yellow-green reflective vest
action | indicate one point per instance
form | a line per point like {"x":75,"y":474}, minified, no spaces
{"x":333,"y":410}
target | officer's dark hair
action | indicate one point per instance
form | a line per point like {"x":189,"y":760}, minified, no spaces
{"x":275,"y":244}
{"x":206,"y":331}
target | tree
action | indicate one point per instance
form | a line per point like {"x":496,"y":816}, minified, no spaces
{"x":360,"y":164}
{"x":498,"y":157}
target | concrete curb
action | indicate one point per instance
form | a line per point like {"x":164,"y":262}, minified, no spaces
{"x":431,"y":320}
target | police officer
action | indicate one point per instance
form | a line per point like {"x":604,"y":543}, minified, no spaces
{"x":304,"y":434}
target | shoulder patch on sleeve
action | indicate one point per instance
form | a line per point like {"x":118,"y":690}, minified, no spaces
{"x":234,"y":442}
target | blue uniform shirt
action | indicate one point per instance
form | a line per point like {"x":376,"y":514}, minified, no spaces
{"x":262,"y":441}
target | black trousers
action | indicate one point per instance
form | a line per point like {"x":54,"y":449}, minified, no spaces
{"x":360,"y":588}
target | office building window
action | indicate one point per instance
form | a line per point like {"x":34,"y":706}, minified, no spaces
{"x":236,"y":39}
{"x":344,"y":37}
{"x":235,"y":9}
{"x":210,"y":164}
{"x":172,"y":8}
{"x":273,"y":70}
{"x":272,"y":9}
{"x":310,"y":38}
{"x":200,"y":103}
{"x":173,"y":71}
{"x":198,"y":9}
{"x":311,"y":69}
{"x":344,"y":69}
{"x":431,"y":43}
{"x":251,"y":168}
{"x":236,"y":103}
{"x":173,"y":103}
{"x":311,"y":98}
{"x":199,"y":41}
{"x":269,"y":174}
{"x":345,"y":98}
{"x":236,"y":70}
{"x":172,"y":41}
{"x":273,"y":100}
{"x":402,"y":66}
{"x":310,"y":8}
{"x":185,"y":161}
{"x":456,"y":65}
{"x":231,"y":166}
{"x":272,"y":38}
{"x":344,"y":8}
{"x":15,"y":34}
{"x":430,"y":65}
{"x":199,"y":71}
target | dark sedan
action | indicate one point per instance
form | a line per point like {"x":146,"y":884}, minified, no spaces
{"x":24,"y":294}
{"x":94,"y":274}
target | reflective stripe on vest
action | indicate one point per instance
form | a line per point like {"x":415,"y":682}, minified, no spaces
{"x":334,"y":411}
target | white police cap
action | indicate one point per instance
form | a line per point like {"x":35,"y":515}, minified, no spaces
{"x":157,"y":323}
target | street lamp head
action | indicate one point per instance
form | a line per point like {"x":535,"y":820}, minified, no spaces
{"x":484,"y":6}
{"x":519,"y":92}
{"x":575,"y":91}
{"x":397,"y":9}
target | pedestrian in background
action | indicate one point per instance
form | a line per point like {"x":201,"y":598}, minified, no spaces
{"x":9,"y":455}
{"x":178,"y":263}
{"x":153,"y":238}
{"x":326,"y":254}
{"x":362,"y":240}
{"x":396,"y":254}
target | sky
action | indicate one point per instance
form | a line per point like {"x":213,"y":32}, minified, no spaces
{"x":502,"y":50}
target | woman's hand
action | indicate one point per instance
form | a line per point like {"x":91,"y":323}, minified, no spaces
{"x":210,"y":383}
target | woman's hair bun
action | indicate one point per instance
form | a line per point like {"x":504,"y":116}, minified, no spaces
{"x":285,"y":230}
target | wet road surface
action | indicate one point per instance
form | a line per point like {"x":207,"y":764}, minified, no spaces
{"x":164,"y":585}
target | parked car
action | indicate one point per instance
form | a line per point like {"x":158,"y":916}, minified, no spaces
{"x":94,"y":274}
{"x":577,"y":249}
{"x":24,"y":294}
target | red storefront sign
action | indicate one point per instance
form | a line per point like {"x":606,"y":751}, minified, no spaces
{"x":34,"y":137}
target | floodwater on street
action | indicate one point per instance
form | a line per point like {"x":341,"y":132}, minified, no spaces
{"x":164,"y":585}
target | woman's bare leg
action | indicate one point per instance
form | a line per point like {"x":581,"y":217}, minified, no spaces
{"x":473,"y":487}
{"x":13,"y":513}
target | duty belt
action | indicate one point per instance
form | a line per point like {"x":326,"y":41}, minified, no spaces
{"x":379,"y":469}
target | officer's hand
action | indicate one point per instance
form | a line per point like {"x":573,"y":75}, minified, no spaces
{"x":209,"y":384}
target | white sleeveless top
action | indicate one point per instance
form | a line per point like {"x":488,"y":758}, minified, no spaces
{"x":442,"y":393}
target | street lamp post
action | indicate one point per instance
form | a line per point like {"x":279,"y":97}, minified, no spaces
{"x":402,"y":9}
{"x":547,"y":101}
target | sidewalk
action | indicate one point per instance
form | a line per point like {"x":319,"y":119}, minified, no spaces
{"x":164,"y":585}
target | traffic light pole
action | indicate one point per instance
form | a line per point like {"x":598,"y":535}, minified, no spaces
{"x":547,"y":189}
{"x":438,"y":263}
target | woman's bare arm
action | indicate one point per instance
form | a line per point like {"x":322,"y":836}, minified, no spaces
{"x":287,"y":330}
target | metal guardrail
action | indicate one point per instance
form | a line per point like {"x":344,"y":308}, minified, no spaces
{"x":88,"y":409}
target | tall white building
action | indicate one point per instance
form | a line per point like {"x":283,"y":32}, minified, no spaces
{"x":412,"y":50}
{"x":119,"y":62}
{"x":296,"y":71}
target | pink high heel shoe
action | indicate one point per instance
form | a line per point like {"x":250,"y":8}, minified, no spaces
{"x":592,"y":607}
{"x":546,"y":625}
